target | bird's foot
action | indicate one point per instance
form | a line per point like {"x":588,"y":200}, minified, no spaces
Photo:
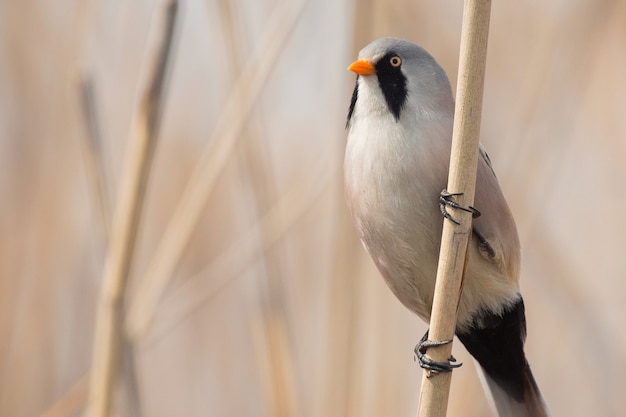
{"x":433,"y":367}
{"x":445,"y":199}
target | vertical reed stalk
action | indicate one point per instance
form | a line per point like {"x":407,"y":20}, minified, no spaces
{"x":109,"y":334}
{"x":435,"y":388}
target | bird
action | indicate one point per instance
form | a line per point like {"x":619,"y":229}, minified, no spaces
{"x":396,"y":162}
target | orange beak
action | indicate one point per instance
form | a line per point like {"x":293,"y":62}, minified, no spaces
{"x":362,"y":67}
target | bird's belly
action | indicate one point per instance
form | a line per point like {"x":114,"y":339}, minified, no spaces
{"x":394,"y":204}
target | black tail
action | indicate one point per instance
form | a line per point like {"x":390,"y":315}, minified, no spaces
{"x":531,"y":404}
{"x":496,"y":341}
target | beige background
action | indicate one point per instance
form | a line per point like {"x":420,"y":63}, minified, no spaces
{"x":275,"y":309}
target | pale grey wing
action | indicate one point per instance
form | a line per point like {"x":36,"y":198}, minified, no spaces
{"x":495,"y":229}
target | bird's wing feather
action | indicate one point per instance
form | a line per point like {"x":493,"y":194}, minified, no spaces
{"x":495,"y":228}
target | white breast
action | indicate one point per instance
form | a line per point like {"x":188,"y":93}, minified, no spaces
{"x":394,"y":172}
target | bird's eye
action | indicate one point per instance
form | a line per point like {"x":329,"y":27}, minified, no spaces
{"x":395,"y":61}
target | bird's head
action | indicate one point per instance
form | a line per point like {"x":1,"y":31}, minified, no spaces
{"x":399,"y":77}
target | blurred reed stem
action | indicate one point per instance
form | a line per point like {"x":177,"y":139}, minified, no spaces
{"x":293,"y":204}
{"x":97,"y":176}
{"x":109,"y":333}
{"x":345,"y":293}
{"x":298,"y":201}
{"x":278,"y":377}
{"x":210,"y":165}
{"x":95,"y":166}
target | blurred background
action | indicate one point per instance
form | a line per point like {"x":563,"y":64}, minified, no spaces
{"x":273,"y":308}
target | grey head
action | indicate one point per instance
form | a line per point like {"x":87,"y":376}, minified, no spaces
{"x":406,"y":74}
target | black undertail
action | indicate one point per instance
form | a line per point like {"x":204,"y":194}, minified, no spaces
{"x":497,"y":343}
